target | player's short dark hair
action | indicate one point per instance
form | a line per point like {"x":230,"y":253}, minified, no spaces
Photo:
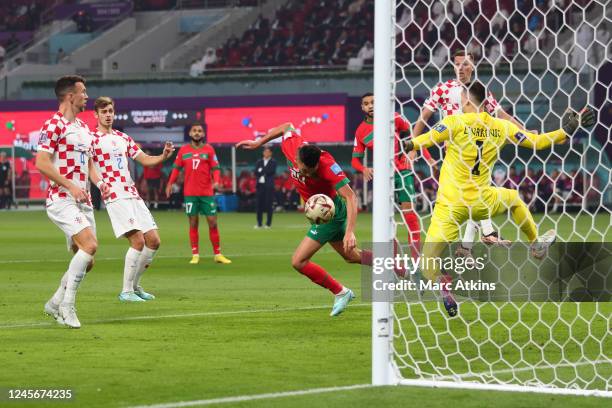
{"x":196,"y":124}
{"x":365,"y":95}
{"x":463,"y":53}
{"x":66,"y":84}
{"x":478,"y":92}
{"x":309,"y":155}
{"x":102,"y":102}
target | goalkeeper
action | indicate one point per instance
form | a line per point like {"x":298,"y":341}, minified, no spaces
{"x":474,"y":140}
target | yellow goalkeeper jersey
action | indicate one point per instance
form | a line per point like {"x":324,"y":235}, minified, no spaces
{"x":473,"y":142}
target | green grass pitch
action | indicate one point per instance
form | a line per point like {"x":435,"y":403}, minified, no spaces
{"x":252,"y":327}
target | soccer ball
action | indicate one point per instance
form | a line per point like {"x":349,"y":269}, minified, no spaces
{"x":319,"y":209}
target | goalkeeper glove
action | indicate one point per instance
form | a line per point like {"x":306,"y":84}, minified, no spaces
{"x":571,"y":119}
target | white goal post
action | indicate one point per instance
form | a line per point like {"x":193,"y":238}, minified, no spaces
{"x":556,"y":347}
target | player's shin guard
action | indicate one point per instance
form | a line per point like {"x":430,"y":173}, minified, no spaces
{"x":319,"y":276}
{"x":129,"y":269}
{"x":145,"y":259}
{"x":414,"y":233}
{"x":213,"y":234}
{"x":76,"y":272}
{"x":194,"y":239}
{"x":470,"y":233}
{"x":522,"y":217}
{"x":58,"y":296}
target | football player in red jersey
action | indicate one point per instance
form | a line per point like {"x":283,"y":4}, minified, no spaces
{"x":199,"y":161}
{"x":404,"y":176}
{"x":315,"y":171}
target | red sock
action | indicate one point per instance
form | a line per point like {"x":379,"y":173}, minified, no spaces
{"x":213,"y":234}
{"x":319,"y":276}
{"x":366,"y":257}
{"x":194,"y":239}
{"x":414,"y":233}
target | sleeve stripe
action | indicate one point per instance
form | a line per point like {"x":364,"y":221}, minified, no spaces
{"x":357,"y":154}
{"x":342,"y":183}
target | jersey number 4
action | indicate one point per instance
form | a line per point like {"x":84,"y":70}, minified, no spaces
{"x":195,"y":163}
{"x":475,"y":169}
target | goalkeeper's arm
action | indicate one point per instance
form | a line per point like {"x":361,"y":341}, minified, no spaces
{"x":437,"y":135}
{"x":569,"y":123}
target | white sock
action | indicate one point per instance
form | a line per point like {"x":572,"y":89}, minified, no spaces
{"x":76,"y":272}
{"x":470,"y":233}
{"x":487,"y":227}
{"x":58,"y":296}
{"x":146,"y":257}
{"x":129,"y":269}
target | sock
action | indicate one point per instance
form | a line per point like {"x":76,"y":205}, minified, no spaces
{"x":213,"y":234}
{"x":319,"y":276}
{"x":470,"y":234}
{"x":445,"y":279}
{"x":129,"y":269}
{"x":487,"y":227}
{"x":76,"y":272}
{"x":194,"y":239}
{"x":414,"y":233}
{"x":145,"y":259}
{"x":58,"y":296}
{"x":366,"y":257}
{"x":522,"y":217}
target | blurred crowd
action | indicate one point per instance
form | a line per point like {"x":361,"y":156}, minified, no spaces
{"x":303,"y":32}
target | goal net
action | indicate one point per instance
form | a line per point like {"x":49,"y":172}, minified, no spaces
{"x":546,"y":326}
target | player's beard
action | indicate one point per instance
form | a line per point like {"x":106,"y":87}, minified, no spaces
{"x":197,"y":141}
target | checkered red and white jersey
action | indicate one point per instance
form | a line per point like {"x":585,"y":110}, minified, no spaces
{"x":446,"y":96}
{"x":111,"y":153}
{"x":70,"y":143}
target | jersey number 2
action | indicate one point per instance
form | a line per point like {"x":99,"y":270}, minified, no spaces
{"x":195,"y":163}
{"x":475,"y":169}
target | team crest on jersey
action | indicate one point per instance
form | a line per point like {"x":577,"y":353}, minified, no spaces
{"x":439,"y":128}
{"x":295,"y":173}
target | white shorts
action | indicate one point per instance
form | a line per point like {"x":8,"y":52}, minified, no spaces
{"x":71,"y":218}
{"x":127,"y":214}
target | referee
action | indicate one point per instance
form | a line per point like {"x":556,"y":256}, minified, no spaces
{"x":265,"y":170}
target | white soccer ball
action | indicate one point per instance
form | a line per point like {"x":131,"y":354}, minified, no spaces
{"x":319,"y":209}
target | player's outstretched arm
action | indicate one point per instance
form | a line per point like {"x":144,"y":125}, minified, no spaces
{"x":150,"y":161}
{"x":440,"y":133}
{"x":44,"y":164}
{"x":271,"y":135}
{"x":349,"y":241}
{"x":569,"y":124}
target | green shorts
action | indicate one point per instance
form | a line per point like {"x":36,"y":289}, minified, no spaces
{"x":404,"y":187}
{"x":203,"y":205}
{"x":334,"y":230}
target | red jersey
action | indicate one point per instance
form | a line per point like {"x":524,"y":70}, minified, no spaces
{"x":329,"y":177}
{"x":364,"y":138}
{"x":199,"y":165}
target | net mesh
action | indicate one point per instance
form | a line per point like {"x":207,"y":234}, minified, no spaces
{"x":537,"y":58}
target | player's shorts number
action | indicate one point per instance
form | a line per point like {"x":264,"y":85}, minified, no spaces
{"x":475,"y":169}
{"x":120,"y":163}
{"x":82,"y":158}
{"x":188,"y":207}
{"x":196,"y":163}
